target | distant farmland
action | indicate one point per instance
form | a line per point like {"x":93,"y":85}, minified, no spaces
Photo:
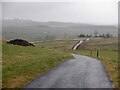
{"x":31,"y":30}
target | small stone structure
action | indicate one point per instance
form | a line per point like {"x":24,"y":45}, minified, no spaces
{"x":20,"y":42}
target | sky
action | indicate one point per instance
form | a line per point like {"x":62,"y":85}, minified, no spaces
{"x":103,"y":12}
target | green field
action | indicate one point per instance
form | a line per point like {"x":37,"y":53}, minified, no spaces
{"x":23,"y":64}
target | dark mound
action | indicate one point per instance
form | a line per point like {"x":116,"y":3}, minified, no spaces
{"x":20,"y":42}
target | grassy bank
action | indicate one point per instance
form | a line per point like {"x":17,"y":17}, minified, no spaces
{"x":23,"y":64}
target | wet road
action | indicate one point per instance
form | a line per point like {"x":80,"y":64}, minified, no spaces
{"x":81,"y":72}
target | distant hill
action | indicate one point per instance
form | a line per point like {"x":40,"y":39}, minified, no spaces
{"x":33,"y":30}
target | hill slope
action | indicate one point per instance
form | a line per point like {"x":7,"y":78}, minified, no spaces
{"x":32,"y":30}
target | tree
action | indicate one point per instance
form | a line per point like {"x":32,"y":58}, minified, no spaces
{"x":103,"y":35}
{"x":108,"y":35}
{"x":81,"y":35}
{"x":88,"y":35}
{"x":96,"y":34}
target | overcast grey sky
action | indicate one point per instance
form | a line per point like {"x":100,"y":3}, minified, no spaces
{"x":82,"y":12}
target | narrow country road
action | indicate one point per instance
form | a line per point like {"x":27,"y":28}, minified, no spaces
{"x":81,"y":72}
{"x":75,"y":47}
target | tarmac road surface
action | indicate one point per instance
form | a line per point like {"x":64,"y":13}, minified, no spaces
{"x":81,"y":72}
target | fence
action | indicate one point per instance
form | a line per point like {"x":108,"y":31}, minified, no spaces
{"x":97,"y":53}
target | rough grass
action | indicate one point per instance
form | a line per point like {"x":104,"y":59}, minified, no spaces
{"x":58,"y":44}
{"x":23,"y":64}
{"x":100,"y":44}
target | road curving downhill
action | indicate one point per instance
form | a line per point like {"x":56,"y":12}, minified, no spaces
{"x":81,"y":72}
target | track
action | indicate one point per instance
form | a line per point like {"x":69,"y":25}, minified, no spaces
{"x":81,"y":72}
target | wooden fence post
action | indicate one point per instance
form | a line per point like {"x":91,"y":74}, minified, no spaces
{"x":91,"y":53}
{"x":97,"y":53}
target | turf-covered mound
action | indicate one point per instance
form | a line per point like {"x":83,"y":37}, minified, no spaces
{"x":20,"y":42}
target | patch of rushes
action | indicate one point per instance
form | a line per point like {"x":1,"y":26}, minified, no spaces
{"x":109,"y":59}
{"x":22,"y":64}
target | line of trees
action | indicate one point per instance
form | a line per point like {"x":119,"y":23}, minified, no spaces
{"x":108,"y":35}
{"x":83,"y":35}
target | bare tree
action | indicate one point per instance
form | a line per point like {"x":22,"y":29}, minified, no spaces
{"x":96,"y":33}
